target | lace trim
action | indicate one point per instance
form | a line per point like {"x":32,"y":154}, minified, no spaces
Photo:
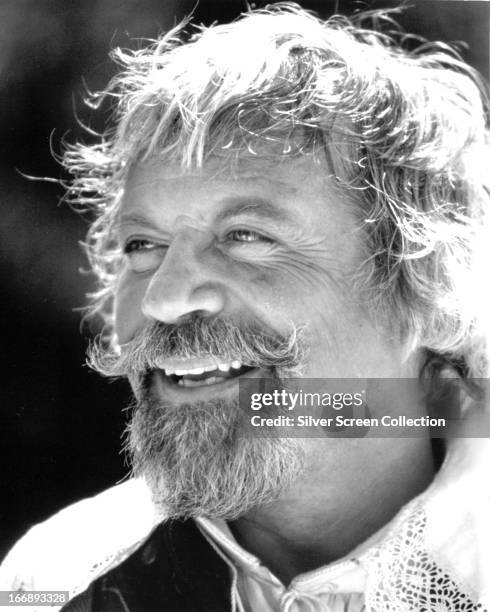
{"x":402,"y":575}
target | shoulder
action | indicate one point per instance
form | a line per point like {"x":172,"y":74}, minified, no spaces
{"x":81,"y":542}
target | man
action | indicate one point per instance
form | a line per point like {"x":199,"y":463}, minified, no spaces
{"x":279,"y":198}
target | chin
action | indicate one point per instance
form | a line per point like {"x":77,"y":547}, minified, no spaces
{"x":198,"y":463}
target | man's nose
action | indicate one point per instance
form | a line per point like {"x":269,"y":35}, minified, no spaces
{"x":187,"y":281}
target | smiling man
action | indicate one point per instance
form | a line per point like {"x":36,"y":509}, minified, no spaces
{"x":309,"y":205}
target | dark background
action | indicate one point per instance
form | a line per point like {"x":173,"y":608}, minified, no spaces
{"x":60,"y":425}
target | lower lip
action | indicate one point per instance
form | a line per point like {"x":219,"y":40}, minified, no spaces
{"x":204,"y":392}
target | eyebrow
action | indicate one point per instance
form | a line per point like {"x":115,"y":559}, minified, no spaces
{"x":135,"y":218}
{"x":257,"y":206}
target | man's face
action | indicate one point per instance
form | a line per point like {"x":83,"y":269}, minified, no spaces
{"x":271,"y":247}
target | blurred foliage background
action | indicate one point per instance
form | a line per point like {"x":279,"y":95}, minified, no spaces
{"x":60,"y":425}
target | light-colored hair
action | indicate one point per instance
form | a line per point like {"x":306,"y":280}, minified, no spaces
{"x":406,"y":131}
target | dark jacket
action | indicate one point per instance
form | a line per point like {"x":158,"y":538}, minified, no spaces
{"x":175,"y":570}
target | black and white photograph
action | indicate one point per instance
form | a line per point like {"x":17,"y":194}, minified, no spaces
{"x":245,"y":259}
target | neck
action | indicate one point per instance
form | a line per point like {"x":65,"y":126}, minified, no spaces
{"x":331,"y":510}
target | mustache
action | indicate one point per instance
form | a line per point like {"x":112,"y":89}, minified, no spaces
{"x":201,"y":337}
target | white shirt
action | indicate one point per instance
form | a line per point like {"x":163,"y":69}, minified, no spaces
{"x":337,"y":587}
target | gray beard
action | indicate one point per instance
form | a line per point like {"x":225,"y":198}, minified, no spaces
{"x":197,"y":463}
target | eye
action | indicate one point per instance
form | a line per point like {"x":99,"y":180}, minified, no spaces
{"x":245,"y":235}
{"x":144,"y":255}
{"x":138,"y":244}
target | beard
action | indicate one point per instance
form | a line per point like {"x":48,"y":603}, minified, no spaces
{"x":197,"y":457}
{"x":198,"y":462}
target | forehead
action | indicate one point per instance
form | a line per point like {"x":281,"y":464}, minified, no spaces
{"x":303,"y":190}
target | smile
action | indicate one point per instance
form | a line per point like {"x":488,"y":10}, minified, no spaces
{"x":203,"y":375}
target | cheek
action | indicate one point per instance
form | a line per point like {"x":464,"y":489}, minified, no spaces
{"x":129,"y":318}
{"x":318,"y":293}
{"x":313,"y":283}
{"x":267,"y":291}
{"x":289,"y":288}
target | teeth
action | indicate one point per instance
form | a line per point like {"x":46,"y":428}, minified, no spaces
{"x":196,"y":371}
{"x":185,"y":382}
{"x":222,"y":367}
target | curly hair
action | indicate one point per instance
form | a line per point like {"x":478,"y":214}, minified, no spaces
{"x":405,"y":130}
